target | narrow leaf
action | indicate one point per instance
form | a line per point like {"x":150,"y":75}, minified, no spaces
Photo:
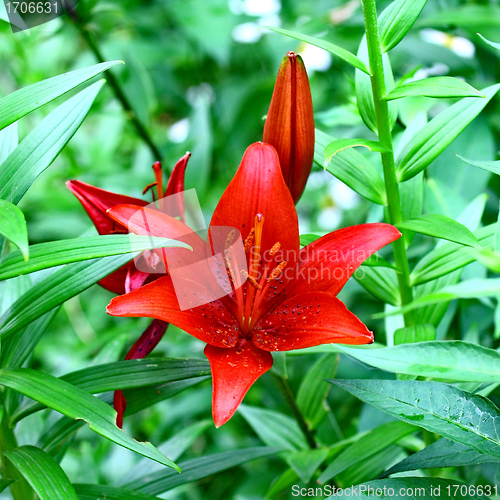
{"x":322,"y":44}
{"x":306,"y":462}
{"x":340,"y":144}
{"x":101,"y":492}
{"x":43,"y":473}
{"x":26,"y":100}
{"x":439,"y":133}
{"x":439,"y":86}
{"x":77,"y":404}
{"x":414,"y":334}
{"x":397,"y":19}
{"x":42,"y":145}
{"x":455,"y":414}
{"x":490,"y":166}
{"x":489,"y":42}
{"x":366,"y":446}
{"x":56,"y":253}
{"x":439,"y":226}
{"x":381,"y":282}
{"x":13,"y":226}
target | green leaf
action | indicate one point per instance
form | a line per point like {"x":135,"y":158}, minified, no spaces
{"x":43,"y":473}
{"x":354,"y":170}
{"x":306,"y":462}
{"x":414,"y":334}
{"x":452,"y":360}
{"x":429,"y":142}
{"x":439,"y":86}
{"x":381,"y":282}
{"x":396,"y":20}
{"x":470,"y":289}
{"x":451,"y":412}
{"x":8,"y":141}
{"x":5,"y":483}
{"x":440,"y":226}
{"x":129,"y":374}
{"x":56,"y":253}
{"x":101,"y":492}
{"x":274,"y":428}
{"x":490,"y":166}
{"x":198,"y":468}
{"x":423,"y":488}
{"x":13,"y":226}
{"x":442,"y":453}
{"x":329,"y":47}
{"x":449,"y":257}
{"x":313,"y":390}
{"x":489,"y":42}
{"x":42,"y":145}
{"x":53,"y":440}
{"x":340,"y":144}
{"x":60,"y":286}
{"x":366,"y":446}
{"x":77,"y":404}
{"x":26,"y":100}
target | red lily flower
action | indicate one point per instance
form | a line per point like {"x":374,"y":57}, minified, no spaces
{"x":289,"y":124}
{"x":96,"y":203}
{"x":289,"y":298}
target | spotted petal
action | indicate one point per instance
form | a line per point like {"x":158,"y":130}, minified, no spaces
{"x":307,"y":320}
{"x":233,"y":373}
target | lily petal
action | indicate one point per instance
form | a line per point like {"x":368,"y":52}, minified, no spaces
{"x":97,"y":201}
{"x":233,"y":373}
{"x":258,"y":188}
{"x":211,"y":323}
{"x":307,"y":320}
{"x":326,"y":264}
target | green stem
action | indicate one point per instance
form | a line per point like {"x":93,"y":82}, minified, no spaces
{"x":117,"y":88}
{"x":385,"y":139}
{"x":288,"y":396}
{"x":20,"y":488}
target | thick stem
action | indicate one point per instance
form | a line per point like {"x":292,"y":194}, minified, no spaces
{"x":288,"y":396}
{"x":385,"y":139}
{"x":20,"y":488}
{"x":117,"y":89}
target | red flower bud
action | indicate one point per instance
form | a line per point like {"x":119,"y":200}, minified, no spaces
{"x":290,"y":123}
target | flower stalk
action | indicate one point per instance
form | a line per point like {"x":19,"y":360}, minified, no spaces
{"x":385,"y":139}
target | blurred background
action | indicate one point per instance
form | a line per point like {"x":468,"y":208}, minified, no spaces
{"x":199,"y":76}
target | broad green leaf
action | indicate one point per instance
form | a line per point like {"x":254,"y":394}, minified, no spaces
{"x":53,"y":440}
{"x":57,"y":288}
{"x":439,"y":133}
{"x":490,"y":43}
{"x":282,"y":483}
{"x":452,"y":360}
{"x":470,"y":289}
{"x":101,"y":492}
{"x":56,"y":253}
{"x":198,"y":468}
{"x":322,"y":44}
{"x":129,"y":374}
{"x":274,"y":428}
{"x":381,"y":282}
{"x":313,"y":390}
{"x":13,"y":227}
{"x":442,"y":453}
{"x":423,"y":488}
{"x":396,"y":20}
{"x":449,"y":257}
{"x":77,"y":404}
{"x":43,"y":473}
{"x":414,"y":334}
{"x":42,"y":145}
{"x":354,"y":170}
{"x":306,"y":462}
{"x":440,"y":226}
{"x":364,"y":96}
{"x":340,"y":144}
{"x":366,"y":446}
{"x":490,"y":166}
{"x":451,"y":412}
{"x":439,"y":86}
{"x":26,"y":100}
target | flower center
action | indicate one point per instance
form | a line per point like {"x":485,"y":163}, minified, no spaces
{"x":259,"y":277}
